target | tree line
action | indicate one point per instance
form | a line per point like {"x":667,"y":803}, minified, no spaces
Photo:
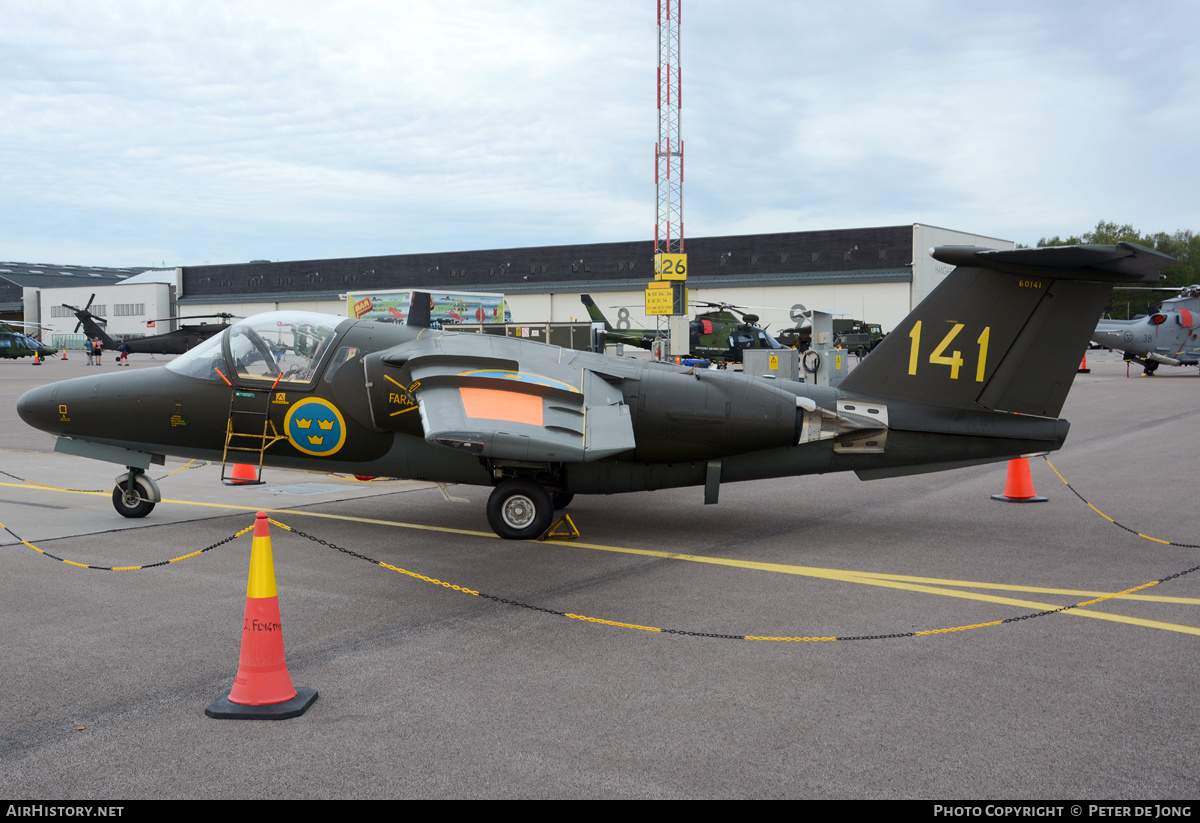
{"x":1183,"y":245}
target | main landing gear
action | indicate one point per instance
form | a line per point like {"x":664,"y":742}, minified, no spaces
{"x":135,"y":494}
{"x":520,"y":509}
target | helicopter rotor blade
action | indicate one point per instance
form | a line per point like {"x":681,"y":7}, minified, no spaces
{"x":221,"y":315}
{"x":798,"y":313}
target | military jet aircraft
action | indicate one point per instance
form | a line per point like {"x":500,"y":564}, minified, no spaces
{"x":1170,"y":335}
{"x":173,"y":342}
{"x":719,"y":335}
{"x":976,"y":374}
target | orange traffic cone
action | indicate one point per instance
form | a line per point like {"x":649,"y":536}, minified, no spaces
{"x":263,"y":688}
{"x":1083,"y":367}
{"x":37,"y":358}
{"x":243,"y":475}
{"x":1019,"y":486}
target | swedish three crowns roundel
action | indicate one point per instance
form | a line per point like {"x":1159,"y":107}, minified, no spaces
{"x":315,"y":426}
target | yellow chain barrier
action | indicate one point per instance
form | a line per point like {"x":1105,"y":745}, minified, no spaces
{"x":196,"y":553}
{"x":636,"y":626}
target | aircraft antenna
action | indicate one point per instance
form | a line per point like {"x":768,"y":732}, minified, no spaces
{"x":668,"y":178}
{"x":668,"y":152}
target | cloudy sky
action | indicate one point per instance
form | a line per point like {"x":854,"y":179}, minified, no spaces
{"x":143,"y":133}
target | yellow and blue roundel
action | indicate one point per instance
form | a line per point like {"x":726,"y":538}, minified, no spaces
{"x":315,"y":426}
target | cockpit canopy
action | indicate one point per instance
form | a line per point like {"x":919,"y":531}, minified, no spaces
{"x":286,"y":347}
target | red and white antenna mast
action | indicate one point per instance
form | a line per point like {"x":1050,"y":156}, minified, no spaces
{"x":668,"y":154}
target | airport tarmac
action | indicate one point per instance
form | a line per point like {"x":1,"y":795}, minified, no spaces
{"x":429,"y":692}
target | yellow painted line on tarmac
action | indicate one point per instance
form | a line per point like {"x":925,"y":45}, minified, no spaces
{"x":972,"y":584}
{"x":871,"y":579}
{"x":345,"y":517}
{"x":901,"y":582}
{"x":38,"y":487}
{"x":234,"y":507}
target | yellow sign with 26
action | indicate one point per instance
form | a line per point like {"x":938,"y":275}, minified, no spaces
{"x":670,"y":267}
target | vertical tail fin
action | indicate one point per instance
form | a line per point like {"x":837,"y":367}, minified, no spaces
{"x":594,"y":311}
{"x":420,"y":310}
{"x":1006,"y":329}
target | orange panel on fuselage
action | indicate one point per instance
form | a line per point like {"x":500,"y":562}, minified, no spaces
{"x":493,"y":404}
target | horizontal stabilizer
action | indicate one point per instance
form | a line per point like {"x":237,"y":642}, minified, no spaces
{"x":1122,"y":263}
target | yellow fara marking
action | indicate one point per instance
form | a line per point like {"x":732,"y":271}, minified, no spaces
{"x":403,"y":388}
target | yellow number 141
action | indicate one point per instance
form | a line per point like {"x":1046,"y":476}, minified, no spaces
{"x":955,"y":359}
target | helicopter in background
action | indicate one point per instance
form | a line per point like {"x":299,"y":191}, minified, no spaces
{"x":16,"y":344}
{"x":719,"y":335}
{"x":1169,"y":335}
{"x":184,"y":338}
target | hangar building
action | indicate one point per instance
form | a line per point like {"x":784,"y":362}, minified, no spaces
{"x":876,"y":274}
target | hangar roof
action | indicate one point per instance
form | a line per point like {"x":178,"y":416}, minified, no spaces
{"x":869,"y":255}
{"x":16,"y":276}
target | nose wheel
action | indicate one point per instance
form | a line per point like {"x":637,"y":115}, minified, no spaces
{"x":135,"y":494}
{"x":519,"y":509}
{"x":131,"y":503}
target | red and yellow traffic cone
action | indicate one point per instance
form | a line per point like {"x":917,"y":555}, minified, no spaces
{"x":64,"y":357}
{"x":1019,"y":486}
{"x":37,"y":358}
{"x":262,"y":689}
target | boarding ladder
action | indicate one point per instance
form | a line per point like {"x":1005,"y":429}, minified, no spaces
{"x":249,"y":433}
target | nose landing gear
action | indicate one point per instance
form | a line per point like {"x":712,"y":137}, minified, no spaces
{"x":135,"y":494}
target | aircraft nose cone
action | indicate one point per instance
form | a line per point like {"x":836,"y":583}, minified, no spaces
{"x":38,"y":408}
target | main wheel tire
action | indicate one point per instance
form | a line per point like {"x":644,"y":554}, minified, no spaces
{"x":519,"y":509}
{"x":130,"y":504}
{"x":561,"y":500}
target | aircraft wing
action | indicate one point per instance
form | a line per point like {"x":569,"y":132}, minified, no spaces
{"x":509,"y":399}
